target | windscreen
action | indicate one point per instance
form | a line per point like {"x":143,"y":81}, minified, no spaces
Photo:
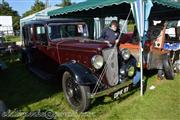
{"x":58,"y":31}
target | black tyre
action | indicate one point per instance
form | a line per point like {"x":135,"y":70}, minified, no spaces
{"x":168,"y":68}
{"x":76,"y":95}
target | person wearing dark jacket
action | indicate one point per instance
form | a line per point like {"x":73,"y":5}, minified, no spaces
{"x":110,"y":34}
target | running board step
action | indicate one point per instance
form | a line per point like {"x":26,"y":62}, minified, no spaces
{"x":43,"y":75}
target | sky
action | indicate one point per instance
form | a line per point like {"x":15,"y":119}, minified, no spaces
{"x":24,"y":5}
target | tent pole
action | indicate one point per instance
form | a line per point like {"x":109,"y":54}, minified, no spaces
{"x":141,"y":65}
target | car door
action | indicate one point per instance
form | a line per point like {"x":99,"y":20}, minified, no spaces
{"x":45,"y":49}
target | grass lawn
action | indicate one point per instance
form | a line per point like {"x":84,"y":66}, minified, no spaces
{"x":24,"y":92}
{"x":12,"y":38}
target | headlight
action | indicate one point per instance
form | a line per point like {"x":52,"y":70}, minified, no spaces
{"x":131,"y":71}
{"x":97,"y":61}
{"x":125,"y":54}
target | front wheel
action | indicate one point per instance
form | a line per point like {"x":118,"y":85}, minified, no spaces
{"x":76,"y":95}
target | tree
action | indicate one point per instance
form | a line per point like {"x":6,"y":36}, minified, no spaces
{"x":64,"y":3}
{"x":6,"y":10}
{"x":38,"y":6}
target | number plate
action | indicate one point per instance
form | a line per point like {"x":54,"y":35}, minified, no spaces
{"x":121,"y":92}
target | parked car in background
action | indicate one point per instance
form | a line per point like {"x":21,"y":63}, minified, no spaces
{"x":154,"y":54}
{"x":60,"y":49}
{"x":8,"y":47}
{"x":172,"y":42}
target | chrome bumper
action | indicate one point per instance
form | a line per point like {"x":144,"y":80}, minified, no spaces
{"x":110,"y":90}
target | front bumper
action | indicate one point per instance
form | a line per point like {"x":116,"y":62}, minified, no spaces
{"x":111,"y":90}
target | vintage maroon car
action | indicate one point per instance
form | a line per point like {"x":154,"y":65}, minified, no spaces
{"x":59,"y":49}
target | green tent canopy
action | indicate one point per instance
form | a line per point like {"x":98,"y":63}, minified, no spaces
{"x":87,"y":5}
{"x":162,"y":9}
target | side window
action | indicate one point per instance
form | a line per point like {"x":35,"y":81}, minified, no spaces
{"x":40,"y":30}
{"x":54,"y":32}
{"x":41,"y":33}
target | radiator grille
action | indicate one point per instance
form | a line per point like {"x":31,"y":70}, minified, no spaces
{"x":112,"y":65}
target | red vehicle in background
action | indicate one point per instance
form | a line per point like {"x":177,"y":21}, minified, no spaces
{"x":154,"y":54}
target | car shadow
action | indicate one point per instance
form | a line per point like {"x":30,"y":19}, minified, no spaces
{"x":19,"y":87}
{"x":148,"y":74}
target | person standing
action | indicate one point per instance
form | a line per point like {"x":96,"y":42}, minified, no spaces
{"x":110,"y":34}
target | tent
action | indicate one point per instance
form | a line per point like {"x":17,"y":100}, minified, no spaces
{"x":43,"y":14}
{"x":160,"y":9}
{"x":99,"y":8}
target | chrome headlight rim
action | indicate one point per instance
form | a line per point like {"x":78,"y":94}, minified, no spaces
{"x":97,"y":61}
{"x":125,"y":54}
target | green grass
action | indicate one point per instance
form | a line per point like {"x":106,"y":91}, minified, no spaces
{"x":12,"y":39}
{"x":23,"y":91}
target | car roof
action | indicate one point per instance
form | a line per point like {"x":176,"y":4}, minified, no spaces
{"x":57,"y":20}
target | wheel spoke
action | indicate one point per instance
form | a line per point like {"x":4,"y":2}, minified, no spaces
{"x":73,"y":91}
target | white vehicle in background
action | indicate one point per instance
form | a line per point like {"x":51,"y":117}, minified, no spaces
{"x":6,"y":25}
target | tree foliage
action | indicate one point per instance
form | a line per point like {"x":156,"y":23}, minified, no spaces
{"x":38,"y":6}
{"x":6,"y":10}
{"x":64,"y":3}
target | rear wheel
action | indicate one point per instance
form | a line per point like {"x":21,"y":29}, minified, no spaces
{"x":168,"y":68}
{"x":76,"y":95}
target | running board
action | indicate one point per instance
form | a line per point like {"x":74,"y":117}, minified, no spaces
{"x":41,"y":74}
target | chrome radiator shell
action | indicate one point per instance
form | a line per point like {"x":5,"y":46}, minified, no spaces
{"x":111,"y":58}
